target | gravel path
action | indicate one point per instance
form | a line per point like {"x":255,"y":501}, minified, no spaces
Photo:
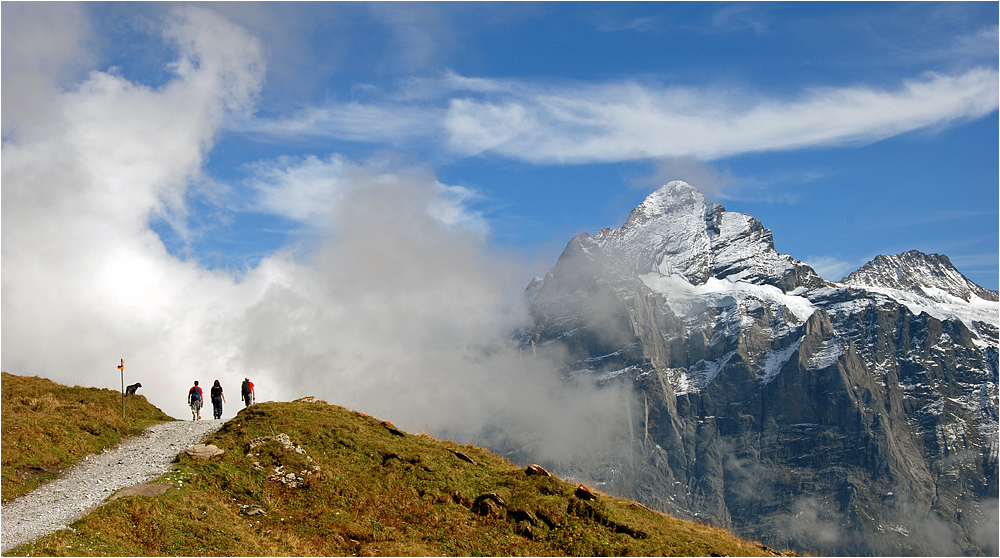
{"x":88,"y":484}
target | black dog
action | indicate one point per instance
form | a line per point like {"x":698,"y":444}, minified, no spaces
{"x":130,"y":390}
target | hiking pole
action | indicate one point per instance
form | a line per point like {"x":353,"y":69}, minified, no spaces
{"x":122,"y":368}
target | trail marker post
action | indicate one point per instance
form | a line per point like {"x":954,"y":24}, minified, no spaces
{"x":122,"y":368}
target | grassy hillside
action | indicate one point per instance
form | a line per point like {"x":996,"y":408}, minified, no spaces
{"x":307,"y":478}
{"x":47,"y":427}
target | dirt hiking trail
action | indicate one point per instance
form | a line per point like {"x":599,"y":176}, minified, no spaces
{"x":88,"y":484}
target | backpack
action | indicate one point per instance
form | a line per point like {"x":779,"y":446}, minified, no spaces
{"x":246,"y":388}
{"x":193,"y":394}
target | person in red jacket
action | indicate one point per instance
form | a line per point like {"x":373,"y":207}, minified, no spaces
{"x":195,"y":397}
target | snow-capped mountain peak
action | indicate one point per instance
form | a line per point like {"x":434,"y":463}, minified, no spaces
{"x":759,"y":388}
{"x":672,"y":198}
{"x":929,"y":283}
{"x":930,"y":275}
{"x":677,"y":232}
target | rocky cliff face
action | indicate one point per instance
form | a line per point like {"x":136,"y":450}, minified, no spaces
{"x":848,"y":418}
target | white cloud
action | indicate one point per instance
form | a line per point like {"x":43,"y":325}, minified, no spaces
{"x":450,"y":208}
{"x":629,"y":121}
{"x":403,"y":315}
{"x":354,"y":121}
{"x":43,"y":44}
{"x":742,"y":17}
{"x":608,"y":24}
{"x":313,"y":191}
{"x":85,"y":281}
{"x":623,"y":122}
{"x":306,"y":190}
{"x":400,"y":309}
{"x":981,"y":43}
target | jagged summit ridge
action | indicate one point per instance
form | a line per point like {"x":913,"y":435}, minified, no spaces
{"x":930,"y":275}
{"x":675,"y":231}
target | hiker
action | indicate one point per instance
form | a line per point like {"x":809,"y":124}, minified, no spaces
{"x":218,"y":398}
{"x":248,"y":395}
{"x":195,"y":397}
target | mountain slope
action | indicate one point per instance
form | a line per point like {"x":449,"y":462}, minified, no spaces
{"x":48,"y":427}
{"x":307,"y":478}
{"x":843,"y":418}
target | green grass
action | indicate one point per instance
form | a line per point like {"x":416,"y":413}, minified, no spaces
{"x":377,"y":491}
{"x":47,"y":427}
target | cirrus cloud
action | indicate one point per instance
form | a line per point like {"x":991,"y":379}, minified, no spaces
{"x":630,"y":121}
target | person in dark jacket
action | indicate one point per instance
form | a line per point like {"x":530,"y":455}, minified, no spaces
{"x":218,"y":398}
{"x":247,"y":391}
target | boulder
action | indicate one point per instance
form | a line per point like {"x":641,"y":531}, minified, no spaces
{"x":151,"y":490}
{"x":205,"y":452}
{"x":489,"y":505}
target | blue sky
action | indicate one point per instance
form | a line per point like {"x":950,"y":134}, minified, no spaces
{"x":850,"y":129}
{"x":171,"y":166}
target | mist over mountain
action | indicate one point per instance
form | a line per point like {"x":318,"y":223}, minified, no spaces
{"x":857,"y":417}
